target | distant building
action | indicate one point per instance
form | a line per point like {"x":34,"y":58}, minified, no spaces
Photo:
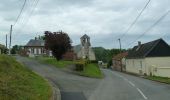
{"x":152,"y":58}
{"x":3,"y":49}
{"x":36,"y":47}
{"x":119,"y":62}
{"x":84,"y":50}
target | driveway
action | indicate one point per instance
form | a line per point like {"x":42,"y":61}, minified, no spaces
{"x":115,"y":85}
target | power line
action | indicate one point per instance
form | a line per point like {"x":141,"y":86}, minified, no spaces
{"x":20,"y":13}
{"x":159,"y":20}
{"x":34,"y":4}
{"x":136,"y":19}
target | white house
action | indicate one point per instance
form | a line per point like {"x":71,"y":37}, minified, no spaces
{"x":36,"y":47}
{"x":152,"y":58}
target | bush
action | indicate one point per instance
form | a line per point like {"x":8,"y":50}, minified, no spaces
{"x":79,"y":67}
{"x":80,"y":64}
{"x":93,"y":61}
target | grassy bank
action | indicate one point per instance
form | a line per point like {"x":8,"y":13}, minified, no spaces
{"x":19,"y":83}
{"x":91,"y":70}
{"x":159,"y":79}
{"x":53,"y":61}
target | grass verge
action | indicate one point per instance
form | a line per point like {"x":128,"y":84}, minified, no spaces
{"x":20,"y":83}
{"x":91,"y":70}
{"x":53,"y":61}
{"x":159,"y":79}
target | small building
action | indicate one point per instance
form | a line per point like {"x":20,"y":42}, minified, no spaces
{"x":69,"y":55}
{"x":35,"y":47}
{"x":118,"y":61}
{"x":152,"y":58}
{"x":3,"y":49}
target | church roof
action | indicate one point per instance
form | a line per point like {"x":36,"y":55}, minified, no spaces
{"x":85,"y":36}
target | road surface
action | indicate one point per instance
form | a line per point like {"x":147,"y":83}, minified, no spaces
{"x":115,"y":85}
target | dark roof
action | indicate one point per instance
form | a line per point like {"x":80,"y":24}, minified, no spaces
{"x":77,"y":48}
{"x":156,"y":48}
{"x":33,"y":42}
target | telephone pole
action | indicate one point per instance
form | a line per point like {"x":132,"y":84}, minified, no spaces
{"x":121,"y":54}
{"x":6,"y":41}
{"x":120,"y":45}
{"x":10,"y":40}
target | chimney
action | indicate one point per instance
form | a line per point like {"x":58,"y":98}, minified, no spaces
{"x":139,"y":43}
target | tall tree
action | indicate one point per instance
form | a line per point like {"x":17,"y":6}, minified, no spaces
{"x":58,"y":42}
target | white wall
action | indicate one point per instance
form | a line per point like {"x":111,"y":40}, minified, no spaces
{"x":158,"y":66}
{"x":137,"y":66}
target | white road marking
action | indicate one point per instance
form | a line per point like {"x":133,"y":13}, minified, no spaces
{"x":142,"y":94}
{"x":131,"y":83}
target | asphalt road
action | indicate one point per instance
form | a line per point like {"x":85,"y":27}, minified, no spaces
{"x":115,"y":85}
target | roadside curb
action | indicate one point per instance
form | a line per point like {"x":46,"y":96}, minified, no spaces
{"x":56,"y":91}
{"x":156,"y":81}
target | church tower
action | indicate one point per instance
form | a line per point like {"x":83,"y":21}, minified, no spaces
{"x":85,"y":42}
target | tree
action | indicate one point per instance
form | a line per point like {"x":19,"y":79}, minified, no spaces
{"x":15,"y":49}
{"x":58,"y":42}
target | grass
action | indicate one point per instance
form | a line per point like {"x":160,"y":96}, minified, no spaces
{"x":20,"y":83}
{"x":91,"y":70}
{"x":159,"y":79}
{"x":53,"y":61}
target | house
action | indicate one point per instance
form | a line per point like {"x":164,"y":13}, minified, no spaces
{"x":36,"y":47}
{"x":152,"y":58}
{"x":84,"y":50}
{"x":3,"y":49}
{"x":69,"y":55}
{"x":118,"y":61}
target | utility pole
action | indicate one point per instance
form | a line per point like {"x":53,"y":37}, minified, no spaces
{"x":120,"y":53}
{"x":6,"y":41}
{"x":10,"y":40}
{"x":120,"y":45}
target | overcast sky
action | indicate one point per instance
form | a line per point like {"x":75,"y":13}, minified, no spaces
{"x":103,"y":20}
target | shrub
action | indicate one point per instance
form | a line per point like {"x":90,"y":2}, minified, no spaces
{"x":80,"y":64}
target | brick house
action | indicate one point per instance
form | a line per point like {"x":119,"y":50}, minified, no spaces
{"x":118,"y":61}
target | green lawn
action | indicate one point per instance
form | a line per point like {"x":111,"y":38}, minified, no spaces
{"x":53,"y":61}
{"x":20,"y":83}
{"x":159,"y":79}
{"x":92,"y":70}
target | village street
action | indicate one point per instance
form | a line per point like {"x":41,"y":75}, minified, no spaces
{"x":114,"y":86}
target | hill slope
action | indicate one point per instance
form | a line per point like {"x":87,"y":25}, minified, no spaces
{"x":19,"y":83}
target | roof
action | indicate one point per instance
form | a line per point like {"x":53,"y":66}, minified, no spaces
{"x":77,"y":48}
{"x":85,"y":36}
{"x":33,"y":42}
{"x":154,"y":48}
{"x":120,"y":56}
